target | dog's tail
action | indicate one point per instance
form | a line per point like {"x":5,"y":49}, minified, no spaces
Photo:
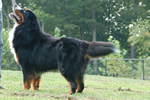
{"x":97,"y":49}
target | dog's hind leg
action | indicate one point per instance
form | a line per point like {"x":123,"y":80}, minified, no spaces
{"x":71,"y":81}
{"x":36,"y":83}
{"x":80,"y":78}
{"x":73,"y":84}
{"x":70,"y":64}
{"x":80,"y":83}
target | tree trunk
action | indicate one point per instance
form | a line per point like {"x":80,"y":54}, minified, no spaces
{"x":94,"y":38}
{"x":6,"y":12}
{"x":7,"y":17}
{"x":82,"y":32}
{"x":136,"y":3}
{"x":83,"y":25}
{"x":69,"y":32}
{"x":94,"y":25}
{"x":13,"y":2}
{"x":68,"y":21}
{"x":9,"y":6}
{"x":132,"y":51}
{"x":42,"y":26}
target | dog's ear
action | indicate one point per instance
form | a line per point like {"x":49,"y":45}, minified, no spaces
{"x":33,"y":24}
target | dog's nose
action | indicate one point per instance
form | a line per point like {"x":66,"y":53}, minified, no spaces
{"x":15,"y":5}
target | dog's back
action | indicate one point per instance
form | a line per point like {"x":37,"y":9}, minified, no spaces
{"x":37,"y":52}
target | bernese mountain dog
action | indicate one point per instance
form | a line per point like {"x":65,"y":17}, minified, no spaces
{"x":37,"y":52}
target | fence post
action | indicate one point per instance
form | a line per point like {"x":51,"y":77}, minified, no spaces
{"x":106,"y":66}
{"x":143,"y":69}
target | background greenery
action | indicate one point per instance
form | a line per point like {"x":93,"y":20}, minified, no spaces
{"x":122,"y":22}
{"x":81,"y":18}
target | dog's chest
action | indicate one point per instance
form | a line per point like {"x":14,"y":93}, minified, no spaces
{"x":11,"y":37}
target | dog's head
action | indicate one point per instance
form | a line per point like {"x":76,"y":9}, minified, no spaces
{"x":23,"y":16}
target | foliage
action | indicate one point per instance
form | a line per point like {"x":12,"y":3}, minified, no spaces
{"x":90,"y":69}
{"x":74,"y":18}
{"x":116,"y":67}
{"x":140,"y":34}
{"x":57,"y":32}
{"x":8,"y":61}
{"x":112,"y":17}
{"x":113,"y":65}
{"x":38,"y":11}
{"x":121,"y":68}
{"x":112,"y":69}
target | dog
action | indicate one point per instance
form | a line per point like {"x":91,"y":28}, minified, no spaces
{"x":37,"y":52}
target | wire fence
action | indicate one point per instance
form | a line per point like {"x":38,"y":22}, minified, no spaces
{"x":128,"y":68}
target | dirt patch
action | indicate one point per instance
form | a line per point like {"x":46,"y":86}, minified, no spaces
{"x":128,"y":89}
{"x":49,"y":96}
{"x":44,"y":95}
{"x":122,"y":89}
{"x":91,"y":98}
{"x":100,"y":88}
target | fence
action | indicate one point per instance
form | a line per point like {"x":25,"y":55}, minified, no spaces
{"x":129,"y":68}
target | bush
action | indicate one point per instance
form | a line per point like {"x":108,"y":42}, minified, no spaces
{"x":8,"y":61}
{"x":110,"y":66}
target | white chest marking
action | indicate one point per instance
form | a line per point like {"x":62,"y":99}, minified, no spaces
{"x":10,"y":39}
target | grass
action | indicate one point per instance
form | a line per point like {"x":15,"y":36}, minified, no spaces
{"x":55,"y":87}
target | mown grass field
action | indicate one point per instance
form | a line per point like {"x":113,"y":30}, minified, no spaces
{"x":55,"y":87}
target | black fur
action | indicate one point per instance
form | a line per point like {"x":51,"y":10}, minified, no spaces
{"x":38,"y":52}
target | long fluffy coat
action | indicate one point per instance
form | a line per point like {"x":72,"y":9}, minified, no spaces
{"x":37,"y":52}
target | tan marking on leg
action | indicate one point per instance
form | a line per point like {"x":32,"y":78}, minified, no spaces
{"x":69,"y":98}
{"x":36,"y":83}
{"x":70,"y":91}
{"x":27,"y":83}
{"x":79,"y":86}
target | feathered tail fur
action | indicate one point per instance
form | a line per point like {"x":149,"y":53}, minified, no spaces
{"x":97,"y":49}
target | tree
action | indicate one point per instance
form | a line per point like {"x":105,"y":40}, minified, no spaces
{"x":74,"y":17}
{"x":6,"y":11}
{"x":139,"y":35}
{"x":94,"y":36}
{"x":136,"y":3}
{"x":13,"y":2}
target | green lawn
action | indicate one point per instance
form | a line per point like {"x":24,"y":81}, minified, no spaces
{"x":55,"y":87}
